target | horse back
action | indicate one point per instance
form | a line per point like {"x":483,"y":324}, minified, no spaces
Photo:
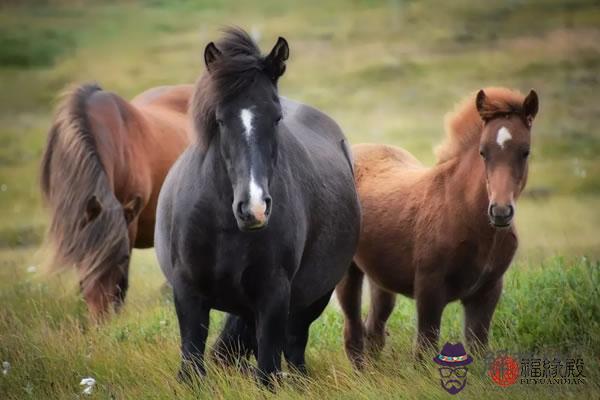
{"x":392,"y":186}
{"x":315,"y":156}
{"x":381,"y":157}
{"x":175,"y":98}
{"x":314,"y":141}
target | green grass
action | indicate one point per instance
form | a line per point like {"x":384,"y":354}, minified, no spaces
{"x":387,"y":71}
{"x":46,"y":337}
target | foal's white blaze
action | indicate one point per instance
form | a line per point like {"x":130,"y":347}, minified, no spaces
{"x":503,"y":136}
{"x":257,"y":206}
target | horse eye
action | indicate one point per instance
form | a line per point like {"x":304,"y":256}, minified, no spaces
{"x":482,"y":154}
{"x":278,"y":119}
{"x":219,"y":122}
{"x":525,"y":153}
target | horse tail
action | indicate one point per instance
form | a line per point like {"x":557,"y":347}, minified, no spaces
{"x":86,"y":223}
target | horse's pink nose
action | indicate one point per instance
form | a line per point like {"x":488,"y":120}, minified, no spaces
{"x":254,"y":215}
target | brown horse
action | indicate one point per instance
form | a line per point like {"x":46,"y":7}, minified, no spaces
{"x":444,"y":233}
{"x":102,"y":170}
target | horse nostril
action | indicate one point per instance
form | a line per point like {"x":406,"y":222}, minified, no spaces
{"x":241,"y":211}
{"x":268,"y":202}
{"x":497,"y":211}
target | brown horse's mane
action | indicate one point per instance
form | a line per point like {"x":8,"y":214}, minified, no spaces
{"x":463,"y":126}
{"x":71,"y":172}
{"x":229,"y":75}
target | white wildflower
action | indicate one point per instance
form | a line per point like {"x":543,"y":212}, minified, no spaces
{"x":163,"y":322}
{"x":3,"y":187}
{"x":89,"y":383}
{"x":5,"y":367}
{"x":31,"y":269}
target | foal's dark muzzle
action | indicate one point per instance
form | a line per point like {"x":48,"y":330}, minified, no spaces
{"x":501,"y":216}
{"x":253,"y":215}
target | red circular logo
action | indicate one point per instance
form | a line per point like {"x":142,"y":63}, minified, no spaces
{"x":504,"y":370}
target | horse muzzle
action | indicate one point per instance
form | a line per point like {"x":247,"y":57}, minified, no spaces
{"x":501,"y":216}
{"x":253,"y":215}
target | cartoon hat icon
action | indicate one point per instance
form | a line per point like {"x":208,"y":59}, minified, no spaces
{"x":453,"y":355}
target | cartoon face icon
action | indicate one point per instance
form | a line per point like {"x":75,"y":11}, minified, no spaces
{"x":453,"y":361}
{"x":453,"y":379}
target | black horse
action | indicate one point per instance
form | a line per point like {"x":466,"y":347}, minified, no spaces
{"x":260,"y":217}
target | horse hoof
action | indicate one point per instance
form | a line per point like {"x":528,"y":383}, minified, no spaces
{"x":297,"y":370}
{"x":187,"y":374}
{"x":269,"y":381}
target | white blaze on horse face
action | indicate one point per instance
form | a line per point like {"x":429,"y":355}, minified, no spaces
{"x":503,"y":137}
{"x":257,"y":205}
{"x":247,"y":117}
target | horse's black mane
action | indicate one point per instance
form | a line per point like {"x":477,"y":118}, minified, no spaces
{"x":234,"y":71}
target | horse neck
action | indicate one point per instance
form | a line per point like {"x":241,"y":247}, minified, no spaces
{"x":465,"y":180}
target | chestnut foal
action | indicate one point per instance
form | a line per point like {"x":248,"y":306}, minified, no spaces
{"x":444,"y":233}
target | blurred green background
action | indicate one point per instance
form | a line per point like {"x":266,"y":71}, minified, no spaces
{"x":387,"y":71}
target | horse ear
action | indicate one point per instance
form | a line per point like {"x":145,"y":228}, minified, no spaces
{"x":93,"y":208}
{"x":480,"y":102}
{"x":132,"y":209}
{"x":275,"y":61}
{"x":530,"y":106}
{"x":211,"y":54}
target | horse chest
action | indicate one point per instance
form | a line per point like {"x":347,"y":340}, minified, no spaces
{"x":229,"y":266}
{"x":475,"y":263}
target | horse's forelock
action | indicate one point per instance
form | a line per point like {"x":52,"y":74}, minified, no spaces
{"x":464,"y":125}
{"x":97,"y":262}
{"x":233,"y":72}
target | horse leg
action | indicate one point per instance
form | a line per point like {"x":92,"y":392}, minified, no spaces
{"x":297,"y":334}
{"x":349,"y":294}
{"x":236,"y":342}
{"x":479,"y":309}
{"x":193,"y":315}
{"x":430,"y":306}
{"x":271,"y":323}
{"x":382,"y":305}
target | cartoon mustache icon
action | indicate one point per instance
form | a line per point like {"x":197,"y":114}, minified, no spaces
{"x":454,"y":386}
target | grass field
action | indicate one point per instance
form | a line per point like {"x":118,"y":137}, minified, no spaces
{"x":387,"y":71}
